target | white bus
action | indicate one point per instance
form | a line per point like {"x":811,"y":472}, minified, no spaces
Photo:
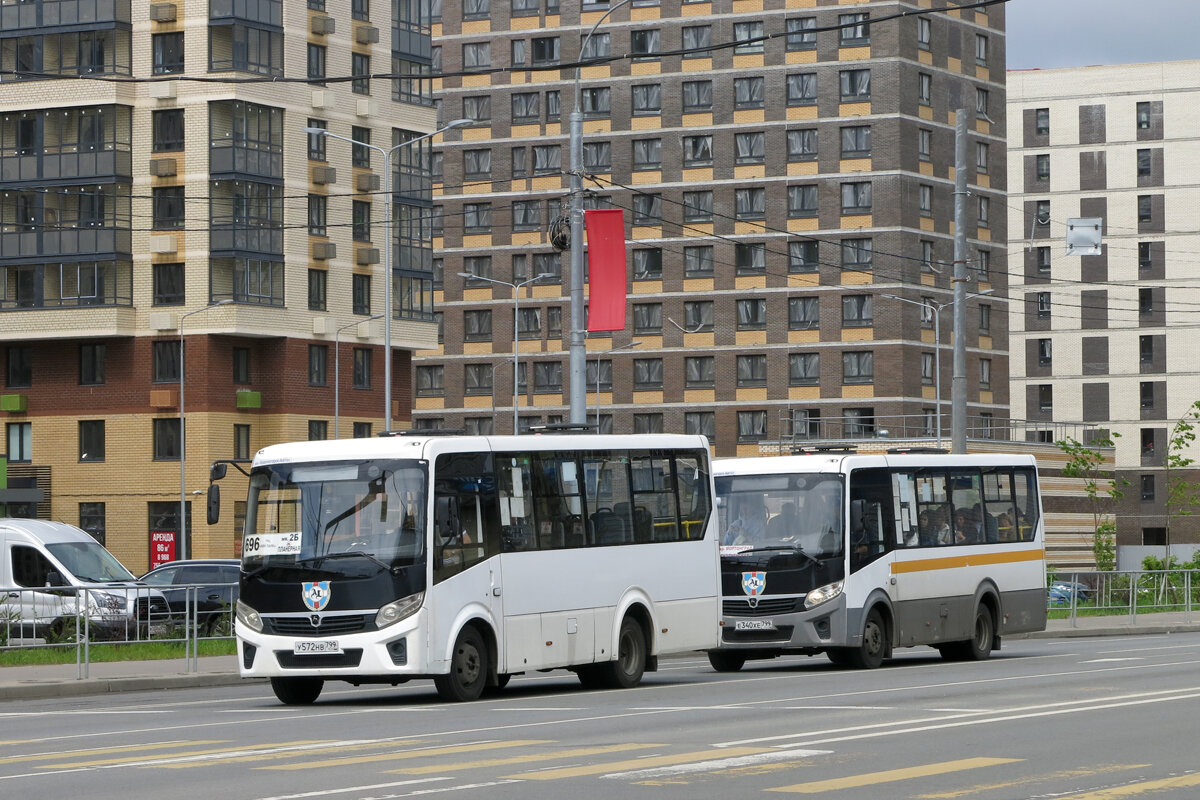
{"x":854,"y":555}
{"x":471,"y":559}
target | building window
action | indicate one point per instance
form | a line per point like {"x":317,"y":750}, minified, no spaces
{"x":703,"y":423}
{"x":925,"y":199}
{"x":750,"y":259}
{"x":858,"y":366}
{"x":698,"y":316}
{"x":317,"y":204}
{"x":1043,"y":305}
{"x":802,"y":145}
{"x":644,"y":44}
{"x":927,"y":259}
{"x":648,"y":423}
{"x":1147,"y":487}
{"x":803,"y":256}
{"x":751,"y":371}
{"x":1146,"y":394}
{"x":924,"y":144}
{"x":318,"y":365}
{"x":646,"y":99}
{"x":318,"y":430}
{"x":856,"y":141}
{"x":647,"y":374}
{"x":859,"y":422}
{"x":697,"y":151}
{"x":545,"y":50}
{"x":1143,"y":116}
{"x":699,"y":372}
{"x":168,"y":284}
{"x":802,"y":89}
{"x":924,"y":88}
{"x":982,"y":97}
{"x":360,"y":294}
{"x":647,"y":318}
{"x":985,"y":320}
{"x":1041,"y":169}
{"x":647,"y":209}
{"x":240,"y":356}
{"x":923,"y":33}
{"x":91,"y":519}
{"x":1042,"y":257}
{"x":478,"y":108}
{"x":856,"y":254}
{"x":983,"y":211}
{"x":855,"y":85}
{"x":317,"y":289}
{"x":804,"y":313}
{"x":804,"y":369}
{"x":1145,"y":255}
{"x":362,"y":430}
{"x":856,"y":197}
{"x":985,"y":373}
{"x":1045,"y":397}
{"x":360,"y":153}
{"x":91,"y":440}
{"x":360,"y":70}
{"x":477,"y":56}
{"x":92,"y":364}
{"x":801,"y":33}
{"x":430,"y":381}
{"x":928,"y":363}
{"x":697,"y":96}
{"x":597,"y":156}
{"x":748,"y":93}
{"x":1145,"y":208}
{"x":166,"y":439}
{"x":316,"y":64}
{"x":981,"y":49}
{"x":166,"y":361}
{"x":981,"y":158}
{"x":241,"y":442}
{"x":853,"y":30}
{"x":1041,"y":124}
{"x":477,"y":218}
{"x":316,"y":141}
{"x":752,"y":314}
{"x":749,"y":37}
{"x":750,"y":204}
{"x":647,"y":154}
{"x":167,"y":53}
{"x":167,"y":133}
{"x":1044,"y":352}
{"x":802,"y":201}
{"x":595,"y":102}
{"x":752,"y":426}
{"x":547,"y":377}
{"x":362,"y":368}
{"x":749,"y":148}
{"x":698,"y":261}
{"x":857,"y":311}
{"x":1145,"y":301}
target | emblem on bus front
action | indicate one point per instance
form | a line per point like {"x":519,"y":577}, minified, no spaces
{"x":316,"y":594}
{"x":753,"y":583}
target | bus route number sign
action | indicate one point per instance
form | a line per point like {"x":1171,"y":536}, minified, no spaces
{"x":271,"y":544}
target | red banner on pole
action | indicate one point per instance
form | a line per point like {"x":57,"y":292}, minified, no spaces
{"x":606,"y":269}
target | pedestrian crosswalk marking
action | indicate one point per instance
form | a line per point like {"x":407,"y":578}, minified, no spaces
{"x":638,"y":763}
{"x":288,"y":752}
{"x":470,"y":747}
{"x":1137,"y":789}
{"x":140,"y":758}
{"x":97,"y":751}
{"x":891,"y":775}
{"x":525,"y":759}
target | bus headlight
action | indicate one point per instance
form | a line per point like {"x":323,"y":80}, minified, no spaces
{"x":824,"y":594}
{"x":395,"y":611}
{"x":249,"y":617}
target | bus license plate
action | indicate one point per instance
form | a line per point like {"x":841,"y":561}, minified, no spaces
{"x":314,"y":647}
{"x":753,"y":625}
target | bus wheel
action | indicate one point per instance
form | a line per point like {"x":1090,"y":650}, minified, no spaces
{"x":839,"y":656}
{"x":626,"y":671}
{"x":724,"y":661}
{"x":297,"y":691}
{"x":979,"y":647}
{"x":869,"y":654}
{"x":468,"y":669}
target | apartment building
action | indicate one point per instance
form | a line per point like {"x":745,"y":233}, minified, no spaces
{"x":179,"y":254}
{"x":1103,"y":338}
{"x":785,"y":169}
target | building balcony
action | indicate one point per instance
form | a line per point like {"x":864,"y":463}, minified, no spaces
{"x":67,"y":167}
{"x":266,"y":12}
{"x":234,"y":239}
{"x":18,"y":15}
{"x":101,"y":242}
{"x":88,"y":284}
{"x":229,"y":160}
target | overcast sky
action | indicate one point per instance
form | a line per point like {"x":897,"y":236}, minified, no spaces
{"x":1075,"y":33}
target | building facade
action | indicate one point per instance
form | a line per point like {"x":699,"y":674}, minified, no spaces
{"x":784,"y":169}
{"x":1103,"y":338}
{"x":180,"y":255}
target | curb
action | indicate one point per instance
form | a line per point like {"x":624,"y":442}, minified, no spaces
{"x":42,"y":690}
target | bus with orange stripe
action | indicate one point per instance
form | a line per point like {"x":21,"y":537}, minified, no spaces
{"x":856,"y":554}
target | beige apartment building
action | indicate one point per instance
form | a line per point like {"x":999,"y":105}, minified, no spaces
{"x":1106,"y":339}
{"x":177,"y":250}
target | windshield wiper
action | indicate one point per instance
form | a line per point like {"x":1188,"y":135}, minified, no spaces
{"x":793,"y":548}
{"x":315,"y":560}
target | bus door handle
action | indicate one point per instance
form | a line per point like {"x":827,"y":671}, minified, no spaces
{"x":495,"y":591}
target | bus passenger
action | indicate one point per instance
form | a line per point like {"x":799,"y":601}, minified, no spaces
{"x":782,"y":526}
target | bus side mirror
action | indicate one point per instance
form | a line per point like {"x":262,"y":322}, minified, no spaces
{"x":214,"y":503}
{"x":217,"y":471}
{"x":857,"y":510}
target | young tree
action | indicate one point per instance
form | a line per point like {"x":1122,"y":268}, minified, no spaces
{"x":1103,"y":489}
{"x":1183,"y":495}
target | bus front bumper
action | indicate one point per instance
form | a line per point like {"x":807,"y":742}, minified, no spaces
{"x":393,"y":652}
{"x":805,"y":631}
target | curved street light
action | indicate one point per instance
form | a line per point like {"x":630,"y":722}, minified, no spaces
{"x":387,"y":154}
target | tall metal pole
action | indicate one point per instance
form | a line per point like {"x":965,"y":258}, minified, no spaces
{"x":937,"y":369}
{"x":337,"y":368}
{"x":958,"y":386}
{"x":577,"y":391}
{"x":181,"y":551}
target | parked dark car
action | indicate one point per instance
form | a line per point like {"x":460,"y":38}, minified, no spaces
{"x":211,"y":585}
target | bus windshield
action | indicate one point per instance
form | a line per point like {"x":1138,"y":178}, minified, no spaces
{"x":346,"y":517}
{"x":787,"y":512}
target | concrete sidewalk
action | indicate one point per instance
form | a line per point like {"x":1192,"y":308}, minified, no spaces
{"x":42,"y":682}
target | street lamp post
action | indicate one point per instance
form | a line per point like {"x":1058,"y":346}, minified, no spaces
{"x":387,"y":154}
{"x":516,"y":287}
{"x":937,"y":347}
{"x":598,"y":360}
{"x":337,"y":370}
{"x":578,"y":348}
{"x":182,"y":549}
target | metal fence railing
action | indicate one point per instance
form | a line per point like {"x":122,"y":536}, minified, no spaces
{"x":77,"y":617}
{"x":1127,"y":593}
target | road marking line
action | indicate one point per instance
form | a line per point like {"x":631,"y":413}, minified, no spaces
{"x":339,"y":747}
{"x":1109,"y":660}
{"x":1082,"y":772}
{"x":470,"y":747}
{"x":346,"y":789}
{"x":525,"y":759}
{"x":1134,"y":789}
{"x":716,"y":764}
{"x":634,"y":764}
{"x":142,"y":761}
{"x":890,"y":775}
{"x":105,"y":751}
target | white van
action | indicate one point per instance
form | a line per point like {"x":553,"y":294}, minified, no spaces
{"x":50,"y":572}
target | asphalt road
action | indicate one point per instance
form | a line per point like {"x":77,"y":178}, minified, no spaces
{"x":1085,"y":719}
